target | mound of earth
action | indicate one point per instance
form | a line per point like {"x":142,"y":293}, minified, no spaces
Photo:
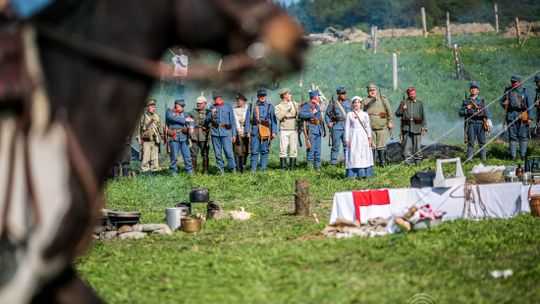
{"x":465,"y":28}
{"x":510,"y":32}
{"x":440,"y":151}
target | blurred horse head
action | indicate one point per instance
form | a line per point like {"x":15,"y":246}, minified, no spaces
{"x":89,"y":66}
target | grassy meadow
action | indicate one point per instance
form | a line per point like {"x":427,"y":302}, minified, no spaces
{"x":277,"y":258}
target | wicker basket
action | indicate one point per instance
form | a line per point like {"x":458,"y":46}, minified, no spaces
{"x":487,"y":177}
{"x":534,"y":202}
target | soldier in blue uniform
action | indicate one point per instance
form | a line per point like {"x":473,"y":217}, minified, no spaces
{"x":476,"y":113}
{"x":313,"y":128}
{"x":537,"y":102}
{"x":180,"y":126}
{"x":261,"y":125}
{"x":223,"y":131}
{"x":336,"y":114}
{"x":517,"y":105}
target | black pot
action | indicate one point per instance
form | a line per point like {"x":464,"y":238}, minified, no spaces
{"x":199,"y":195}
{"x":186,"y":208}
{"x":121,"y":218}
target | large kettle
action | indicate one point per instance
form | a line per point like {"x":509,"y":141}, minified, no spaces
{"x":199,"y":195}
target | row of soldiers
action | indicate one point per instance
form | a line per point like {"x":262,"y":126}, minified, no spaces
{"x":248,"y":129}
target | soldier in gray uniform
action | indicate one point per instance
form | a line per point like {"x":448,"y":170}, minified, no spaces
{"x":380,"y":117}
{"x":517,"y":105}
{"x":475,"y":111}
{"x":336,"y":115}
{"x":413,"y":126}
{"x":201,"y":135}
{"x":149,"y":136}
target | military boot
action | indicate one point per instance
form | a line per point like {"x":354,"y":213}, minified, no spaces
{"x":205,"y":165}
{"x":513,"y":150}
{"x":374,"y":156}
{"x":238,"y":160}
{"x":125,"y":171}
{"x":380,"y":154}
{"x":523,"y":149}
{"x":385,"y":160}
{"x":194,"y":164}
{"x":292,"y":163}
{"x":283,"y":163}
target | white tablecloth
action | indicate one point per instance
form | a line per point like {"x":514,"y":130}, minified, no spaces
{"x":502,"y":200}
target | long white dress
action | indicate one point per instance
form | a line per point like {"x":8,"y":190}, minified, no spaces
{"x":359,"y":154}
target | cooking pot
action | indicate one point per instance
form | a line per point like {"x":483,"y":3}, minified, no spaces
{"x":199,"y":195}
{"x":190,"y":224}
{"x":185,"y":207}
{"x":121,"y":218}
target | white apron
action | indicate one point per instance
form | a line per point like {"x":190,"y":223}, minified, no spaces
{"x":359,"y":154}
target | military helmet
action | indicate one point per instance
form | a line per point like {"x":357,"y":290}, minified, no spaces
{"x":240,"y":97}
{"x":201,"y":99}
{"x":341,"y":90}
{"x":474,"y":84}
{"x":261,"y":92}
{"x":313,"y":93}
{"x":180,"y":102}
{"x":515,"y":78}
{"x":150,"y":102}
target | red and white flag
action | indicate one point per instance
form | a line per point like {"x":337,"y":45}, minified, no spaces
{"x":371,"y":203}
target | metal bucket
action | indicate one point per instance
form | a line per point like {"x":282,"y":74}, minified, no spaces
{"x":173,"y":217}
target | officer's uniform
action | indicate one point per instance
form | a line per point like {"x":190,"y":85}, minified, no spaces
{"x":314,"y":127}
{"x":519,"y":105}
{"x":241,"y":145}
{"x":200,"y":136}
{"x":476,"y":122}
{"x":287,"y":115}
{"x":149,"y":132}
{"x":413,"y":122}
{"x":336,"y":113}
{"x":380,"y":115}
{"x":223,"y":128}
{"x":260,"y":113}
{"x":179,"y":131}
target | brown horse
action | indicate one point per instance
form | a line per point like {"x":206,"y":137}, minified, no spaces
{"x":98,"y":59}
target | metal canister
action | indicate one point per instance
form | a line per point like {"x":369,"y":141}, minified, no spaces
{"x":526,"y":178}
{"x":173,"y":217}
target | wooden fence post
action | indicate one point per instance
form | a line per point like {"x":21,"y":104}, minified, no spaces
{"x":518,"y":32}
{"x":394,"y":72}
{"x":496,"y":17}
{"x":374,"y":38}
{"x":301,"y":198}
{"x":457,"y":62}
{"x":424,"y":25}
{"x":448,"y":31}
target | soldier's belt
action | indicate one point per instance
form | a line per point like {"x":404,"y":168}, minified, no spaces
{"x":416,"y":121}
{"x":202,"y":128}
{"x":316,"y":121}
{"x":221,"y":125}
{"x":289,"y":118}
{"x":264,"y":123}
{"x":381,"y":114}
{"x":176,"y":131}
{"x":337,"y":118}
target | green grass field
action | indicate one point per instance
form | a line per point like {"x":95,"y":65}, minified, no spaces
{"x":275,"y":257}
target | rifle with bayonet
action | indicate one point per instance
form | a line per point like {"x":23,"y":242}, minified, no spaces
{"x":298,"y":125}
{"x":403,"y":101}
{"x":332,"y":114}
{"x":166,"y":133}
{"x":305,"y":130}
{"x":465,"y":122}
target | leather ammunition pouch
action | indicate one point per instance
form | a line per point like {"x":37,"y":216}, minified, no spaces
{"x":382,"y":115}
{"x":315,"y":121}
{"x":417,"y":120}
{"x":336,"y":118}
{"x":524,"y":116}
{"x":218,"y":125}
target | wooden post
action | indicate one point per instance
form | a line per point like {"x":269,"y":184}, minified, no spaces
{"x":424,"y":25}
{"x":394,"y":72}
{"x":448,"y":31}
{"x":301,"y":80}
{"x":496,"y":17}
{"x":457,"y":62}
{"x":301,"y":198}
{"x":219,"y":64}
{"x":518,"y":32}
{"x":375,"y":40}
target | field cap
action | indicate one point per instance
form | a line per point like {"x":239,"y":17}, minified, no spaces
{"x":371,"y":86}
{"x":216,"y":94}
{"x":240,"y":97}
{"x":537,"y":77}
{"x":284,"y":91}
{"x":261,"y":92}
{"x":313,"y":93}
{"x":150,"y":102}
{"x":341,"y":90}
{"x":180,"y":102}
{"x":515,"y":78}
{"x":474,"y":84}
{"x":411,"y":89}
{"x":201,"y":99}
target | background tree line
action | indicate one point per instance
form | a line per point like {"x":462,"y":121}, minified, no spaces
{"x":316,"y":15}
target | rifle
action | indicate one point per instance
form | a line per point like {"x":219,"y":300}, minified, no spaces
{"x":166,"y":134}
{"x":401,"y":129}
{"x":465,"y":123}
{"x":537,"y":118}
{"x":305,"y":131}
{"x":332,"y":113}
{"x":298,"y":126}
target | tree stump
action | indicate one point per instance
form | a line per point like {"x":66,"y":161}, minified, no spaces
{"x":301,"y":200}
